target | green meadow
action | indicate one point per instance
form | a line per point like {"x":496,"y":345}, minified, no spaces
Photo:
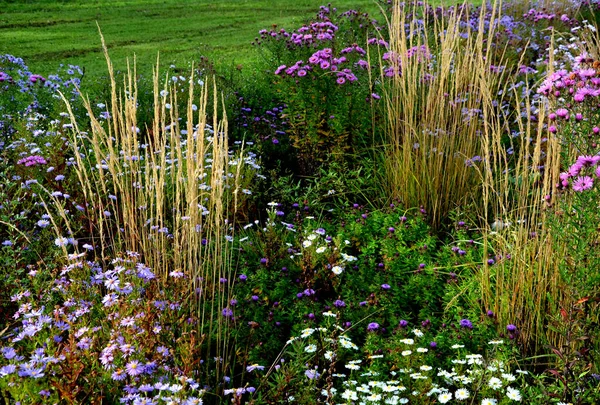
{"x":47,"y":33}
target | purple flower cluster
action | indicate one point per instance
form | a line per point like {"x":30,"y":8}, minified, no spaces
{"x":136,"y":367}
{"x":324,"y":60}
{"x":535,"y":16}
{"x":33,"y":160}
{"x":307,"y":35}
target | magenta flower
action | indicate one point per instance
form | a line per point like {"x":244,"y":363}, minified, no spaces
{"x":563,"y":113}
{"x":583,"y":183}
{"x":32,"y":161}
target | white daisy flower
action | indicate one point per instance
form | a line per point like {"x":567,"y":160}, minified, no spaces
{"x":461,"y":394}
{"x":310,"y":349}
{"x":495,"y":383}
{"x":513,"y":394}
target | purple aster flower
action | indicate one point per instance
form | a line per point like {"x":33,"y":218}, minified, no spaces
{"x":7,"y":370}
{"x":227,"y":313}
{"x":119,"y":374}
{"x":339,"y":304}
{"x":85,"y":343}
{"x":8,"y":352}
{"x":312,"y":374}
{"x":465,"y":323}
{"x":403,"y":323}
{"x":373,"y":326}
{"x":243,"y":277}
{"x":253,"y":367}
{"x":511,"y":328}
{"x":385,"y":286}
{"x":134,"y":368}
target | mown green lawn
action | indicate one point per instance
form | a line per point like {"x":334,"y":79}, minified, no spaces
{"x":47,"y":33}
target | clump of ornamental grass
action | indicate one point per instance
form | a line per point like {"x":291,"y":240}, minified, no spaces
{"x":169,"y":192}
{"x":532,"y":276}
{"x":519,"y":277}
{"x":432,"y":86}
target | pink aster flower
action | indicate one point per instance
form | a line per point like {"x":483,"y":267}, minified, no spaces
{"x":583,"y":183}
{"x":280,"y":69}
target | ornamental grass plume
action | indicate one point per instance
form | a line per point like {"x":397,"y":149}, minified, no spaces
{"x":168,"y":192}
{"x":433,"y":105}
{"x":526,"y":285}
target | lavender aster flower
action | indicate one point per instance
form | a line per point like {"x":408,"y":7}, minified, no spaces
{"x":465,"y":323}
{"x":373,"y":326}
{"x":134,"y":368}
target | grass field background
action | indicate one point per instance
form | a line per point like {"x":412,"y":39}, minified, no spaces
{"x":48,"y":33}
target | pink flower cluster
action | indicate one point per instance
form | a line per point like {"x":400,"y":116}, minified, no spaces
{"x":575,"y":176}
{"x":376,"y":41}
{"x":353,"y":48}
{"x":581,"y":84}
{"x":421,"y":52}
{"x":535,"y":15}
{"x":33,"y":160}
{"x":308,"y":35}
{"x":324,"y":60}
{"x":35,"y":78}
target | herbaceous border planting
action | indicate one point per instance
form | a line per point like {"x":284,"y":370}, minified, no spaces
{"x":272,"y":203}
